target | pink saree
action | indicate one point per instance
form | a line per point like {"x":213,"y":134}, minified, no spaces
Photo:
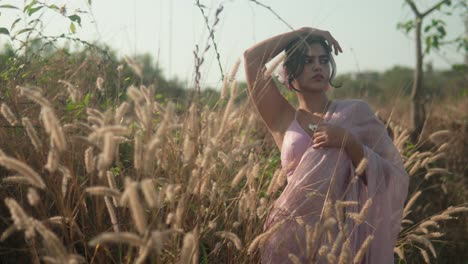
{"x":326,"y":174}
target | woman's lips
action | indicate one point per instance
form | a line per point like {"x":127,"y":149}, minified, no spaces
{"x":318,"y":77}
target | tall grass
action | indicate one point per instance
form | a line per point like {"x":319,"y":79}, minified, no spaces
{"x":162,"y":182}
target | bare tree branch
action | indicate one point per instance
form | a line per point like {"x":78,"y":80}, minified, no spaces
{"x":274,"y":13}
{"x":434,"y":7}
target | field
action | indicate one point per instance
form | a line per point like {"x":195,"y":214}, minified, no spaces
{"x":97,"y":171}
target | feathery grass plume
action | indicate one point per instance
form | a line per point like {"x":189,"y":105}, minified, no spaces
{"x":117,"y":238}
{"x":53,"y":245}
{"x":138,"y":152}
{"x":329,"y":223}
{"x":260,"y":239}
{"x":424,"y":241}
{"x":189,"y":250}
{"x":89,"y":159}
{"x":323,"y":250}
{"x":8,"y":232}
{"x":33,"y":95}
{"x":359,"y":218}
{"x":19,"y":180}
{"x":135,"y":94}
{"x":111,"y":211}
{"x":425,"y":255}
{"x":434,"y":235}
{"x":436,"y":157}
{"x":363,"y":249}
{"x":180,"y":210}
{"x":429,"y":223}
{"x":23,"y":169}
{"x":107,"y":155}
{"x":32,"y":133}
{"x":224,"y":88}
{"x":440,"y":217}
{"x":240,"y":174}
{"x":113,"y":185}
{"x":120,"y":112}
{"x":100,"y":84}
{"x":439,"y":137}
{"x":188,"y":151}
{"x":75,"y":95}
{"x":53,"y":128}
{"x":444,"y":147}
{"x":362,"y":166}
{"x":33,"y":196}
{"x":137,"y":212}
{"x":231,"y":236}
{"x":435,"y":171}
{"x":136,"y":68}
{"x":331,"y":258}
{"x":339,"y":238}
{"x":309,"y":241}
{"x":8,"y":114}
{"x":102,"y":191}
{"x":273,"y":65}
{"x":345,"y":255}
{"x":453,"y":210}
{"x":410,"y":203}
{"x":415,"y":168}
{"x":52,"y":160}
{"x":399,"y":252}
{"x":294,"y":259}
{"x":235,"y":68}
{"x":21,"y":220}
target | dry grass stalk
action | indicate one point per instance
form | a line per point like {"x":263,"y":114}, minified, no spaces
{"x":20,"y":219}
{"x":435,"y":171}
{"x":363,"y":249}
{"x":138,"y":214}
{"x":240,"y":174}
{"x":8,"y":232}
{"x":273,"y":65}
{"x":359,"y":218}
{"x":53,"y":128}
{"x":32,"y":133}
{"x":189,"y":250}
{"x":439,"y":136}
{"x":19,"y":180}
{"x":33,"y":196}
{"x":424,"y":241}
{"x":231,"y":236}
{"x":235,"y":68}
{"x":34,"y":95}
{"x":294,"y":259}
{"x":74,"y":94}
{"x":113,"y":216}
{"x":399,"y":252}
{"x":102,"y":191}
{"x":52,"y":160}
{"x":8,"y":114}
{"x":89,"y":159}
{"x":410,"y":203}
{"x":260,"y":239}
{"x":117,"y":237}
{"x":136,"y":68}
{"x":107,"y":155}
{"x":345,"y":255}
{"x":23,"y":170}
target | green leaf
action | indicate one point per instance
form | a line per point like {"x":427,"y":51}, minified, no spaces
{"x":4,"y":31}
{"x":23,"y":31}
{"x":14,"y":23}
{"x":75,"y":18}
{"x":54,"y":7}
{"x":32,"y":10}
{"x":9,"y":6}
{"x":72,"y":27}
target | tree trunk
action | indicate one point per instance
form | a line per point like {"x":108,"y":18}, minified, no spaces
{"x":418,"y":114}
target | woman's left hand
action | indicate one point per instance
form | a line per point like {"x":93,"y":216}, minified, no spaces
{"x":328,"y":135}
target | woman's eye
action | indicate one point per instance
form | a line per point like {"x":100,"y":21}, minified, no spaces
{"x":324,"y":60}
{"x":307,"y":60}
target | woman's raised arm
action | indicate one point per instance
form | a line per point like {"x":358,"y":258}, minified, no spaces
{"x":274,"y":109}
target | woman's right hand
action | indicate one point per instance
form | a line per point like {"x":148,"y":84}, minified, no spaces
{"x":332,"y":43}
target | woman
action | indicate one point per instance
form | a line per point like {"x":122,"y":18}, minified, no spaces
{"x":328,"y":208}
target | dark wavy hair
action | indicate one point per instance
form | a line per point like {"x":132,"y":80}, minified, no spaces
{"x":294,"y":62}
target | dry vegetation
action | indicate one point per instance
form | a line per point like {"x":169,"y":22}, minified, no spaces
{"x":146,"y":181}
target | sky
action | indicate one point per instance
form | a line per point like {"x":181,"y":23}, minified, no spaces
{"x":169,"y":30}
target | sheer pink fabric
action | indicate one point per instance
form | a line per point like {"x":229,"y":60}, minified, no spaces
{"x":314,"y":174}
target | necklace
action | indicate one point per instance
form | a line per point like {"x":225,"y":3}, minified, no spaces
{"x":312,"y":126}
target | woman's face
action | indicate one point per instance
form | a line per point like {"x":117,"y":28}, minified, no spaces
{"x":316,"y":71}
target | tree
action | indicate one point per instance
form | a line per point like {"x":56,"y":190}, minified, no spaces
{"x":434,"y":37}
